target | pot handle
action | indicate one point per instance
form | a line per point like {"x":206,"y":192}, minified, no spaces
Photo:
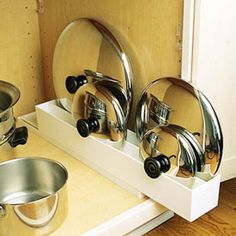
{"x":19,"y":137}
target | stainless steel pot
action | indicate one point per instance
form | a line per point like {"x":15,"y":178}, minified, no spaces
{"x":33,"y":196}
{"x":9,"y":95}
{"x":10,"y":136}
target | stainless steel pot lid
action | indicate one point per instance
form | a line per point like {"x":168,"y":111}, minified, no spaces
{"x":94,"y":101}
{"x":176,"y":150}
{"x":172,"y":101}
{"x":87,"y":45}
{"x":9,"y":95}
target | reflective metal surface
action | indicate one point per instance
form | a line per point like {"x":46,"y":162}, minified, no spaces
{"x":86,"y":47}
{"x":97,"y":76}
{"x":33,"y":196}
{"x":9,"y":95}
{"x":95,"y":101}
{"x":95,"y":107}
{"x":9,"y":135}
{"x":165,"y":141}
{"x":169,"y":101}
{"x":197,"y":148}
{"x":174,"y":104}
{"x":213,"y":145}
{"x":187,"y":160}
{"x":118,"y":92}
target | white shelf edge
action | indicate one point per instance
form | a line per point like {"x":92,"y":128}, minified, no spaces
{"x":129,"y":222}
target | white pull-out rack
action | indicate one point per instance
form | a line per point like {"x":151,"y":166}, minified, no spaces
{"x":189,"y":198}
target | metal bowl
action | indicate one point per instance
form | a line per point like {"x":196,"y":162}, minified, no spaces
{"x":33,"y":196}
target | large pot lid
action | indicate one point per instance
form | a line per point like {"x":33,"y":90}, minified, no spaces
{"x":177,"y":104}
{"x":84,"y":45}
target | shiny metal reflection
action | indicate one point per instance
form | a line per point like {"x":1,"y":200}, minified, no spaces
{"x":179,"y":102}
{"x":97,"y":76}
{"x":93,"y":100}
{"x":197,"y":148}
{"x":117,"y":91}
{"x":159,"y":111}
{"x":88,"y":47}
{"x":128,"y":75}
{"x":33,"y":196}
{"x":43,"y":217}
{"x":176,"y":105}
{"x":10,"y":136}
{"x":9,"y":95}
{"x":213,"y":145}
{"x":166,"y":141}
{"x":96,"y":108}
{"x":187,"y":160}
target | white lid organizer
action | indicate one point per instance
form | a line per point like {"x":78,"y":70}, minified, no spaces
{"x":190,"y":198}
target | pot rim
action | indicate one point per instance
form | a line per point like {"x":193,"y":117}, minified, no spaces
{"x":44,"y":197}
{"x":13,"y":90}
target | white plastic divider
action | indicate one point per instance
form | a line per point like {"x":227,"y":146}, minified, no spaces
{"x":189,"y":198}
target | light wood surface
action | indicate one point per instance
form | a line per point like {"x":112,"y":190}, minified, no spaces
{"x":20,"y":52}
{"x":93,"y":199}
{"x":147,"y":30}
{"x":221,"y":221}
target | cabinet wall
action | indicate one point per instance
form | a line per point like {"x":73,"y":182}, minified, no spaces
{"x":20,"y":52}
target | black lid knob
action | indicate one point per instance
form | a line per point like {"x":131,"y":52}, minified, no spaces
{"x":154,"y":166}
{"x":19,"y":137}
{"x":73,"y":82}
{"x":85,"y":127}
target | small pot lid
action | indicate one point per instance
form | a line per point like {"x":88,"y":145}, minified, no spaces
{"x":166,"y":141}
{"x":94,"y":97}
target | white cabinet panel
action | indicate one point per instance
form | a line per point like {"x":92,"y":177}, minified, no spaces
{"x":214,"y":67}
